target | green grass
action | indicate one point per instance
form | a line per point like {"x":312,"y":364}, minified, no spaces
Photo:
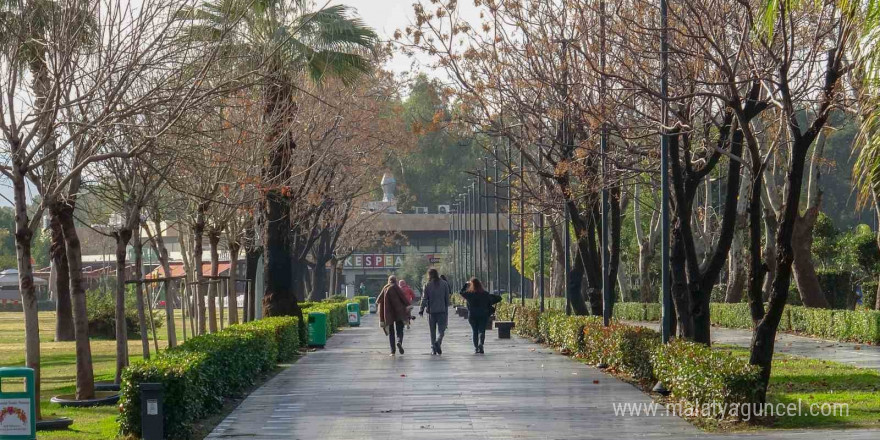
{"x":811,"y":381}
{"x":58,"y":375}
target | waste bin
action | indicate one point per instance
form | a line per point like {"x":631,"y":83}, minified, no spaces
{"x":372,"y":304}
{"x":317,"y":329}
{"x":17,"y":407}
{"x":354,"y":314}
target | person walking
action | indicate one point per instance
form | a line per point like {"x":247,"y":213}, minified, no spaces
{"x":480,"y":305}
{"x":392,"y":304}
{"x":435,"y":298}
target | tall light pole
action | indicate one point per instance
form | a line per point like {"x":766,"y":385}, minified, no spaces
{"x":664,"y":174}
{"x":488,"y":241}
{"x":567,"y":250}
{"x":522,"y":232}
{"x":540,"y":231}
{"x":509,"y":264}
{"x":497,"y":223}
{"x":607,"y":288}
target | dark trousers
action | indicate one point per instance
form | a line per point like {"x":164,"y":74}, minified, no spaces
{"x":399,"y":326}
{"x":437,"y":322}
{"x":478,"y":326}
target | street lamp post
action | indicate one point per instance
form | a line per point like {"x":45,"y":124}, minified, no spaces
{"x":522,"y":232}
{"x":540,"y":232}
{"x":497,"y":224}
{"x":488,"y":241}
{"x":509,"y":223}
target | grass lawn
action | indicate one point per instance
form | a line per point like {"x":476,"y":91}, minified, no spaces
{"x":796,"y":379}
{"x":59,"y":375}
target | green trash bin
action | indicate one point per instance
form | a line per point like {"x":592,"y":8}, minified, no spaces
{"x":317,"y":329}
{"x":354,"y":314}
{"x":372,"y":304}
{"x":17,"y":407}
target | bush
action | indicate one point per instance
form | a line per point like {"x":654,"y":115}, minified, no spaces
{"x":623,"y":348}
{"x":699,"y":375}
{"x":636,"y":311}
{"x":198,"y":374}
{"x":735,"y":315}
{"x":337,"y":315}
{"x":843,"y":325}
{"x":101,"y":312}
{"x":364,"y":302}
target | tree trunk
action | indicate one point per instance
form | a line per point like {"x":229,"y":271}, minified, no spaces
{"x":319,"y":289}
{"x":771,"y":226}
{"x":158,"y":243}
{"x":334,"y":277}
{"x":23,"y":240}
{"x":804,"y":270}
{"x":61,"y":278}
{"x":138,"y":250}
{"x":231,"y":291}
{"x":647,"y":292}
{"x":214,"y":286}
{"x":198,"y":233}
{"x":122,"y":238}
{"x":252,"y":257}
{"x":85,"y":378}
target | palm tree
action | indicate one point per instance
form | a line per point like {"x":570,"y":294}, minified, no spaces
{"x":281,"y":41}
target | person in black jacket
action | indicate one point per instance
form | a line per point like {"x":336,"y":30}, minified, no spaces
{"x":480,"y":307}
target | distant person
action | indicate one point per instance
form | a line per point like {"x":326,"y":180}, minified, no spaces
{"x":363,"y":289}
{"x":435,"y":298}
{"x":480,"y":305}
{"x":448,"y":286}
{"x":392,"y":304}
{"x":407,"y":290}
{"x":411,"y":297}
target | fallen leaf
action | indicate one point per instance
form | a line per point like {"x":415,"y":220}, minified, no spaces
{"x":402,"y":375}
{"x":857,"y":347}
{"x":595,"y":381}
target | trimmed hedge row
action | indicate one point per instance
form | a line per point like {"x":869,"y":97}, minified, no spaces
{"x":693,"y":372}
{"x":699,"y":375}
{"x":337,"y":315}
{"x":363,"y":302}
{"x":844,"y":325}
{"x":198,"y":374}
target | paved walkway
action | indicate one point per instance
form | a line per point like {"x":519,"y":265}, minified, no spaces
{"x":352,"y":389}
{"x":860,"y":355}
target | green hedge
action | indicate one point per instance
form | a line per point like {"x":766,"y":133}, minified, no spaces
{"x":337,"y":315}
{"x":363,"y":302}
{"x":694,"y":372}
{"x":198,"y":374}
{"x":845,"y":325}
{"x":699,"y":375}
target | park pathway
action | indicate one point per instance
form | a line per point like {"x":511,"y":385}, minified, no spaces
{"x":859,"y":355}
{"x":352,"y":389}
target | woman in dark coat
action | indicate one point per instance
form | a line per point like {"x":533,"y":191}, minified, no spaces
{"x":480,"y":307}
{"x":392,"y":304}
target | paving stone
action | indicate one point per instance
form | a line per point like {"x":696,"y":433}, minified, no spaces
{"x":352,"y":389}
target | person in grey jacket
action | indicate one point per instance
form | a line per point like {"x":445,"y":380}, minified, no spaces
{"x":436,"y":298}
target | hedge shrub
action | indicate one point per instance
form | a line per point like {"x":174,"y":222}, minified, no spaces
{"x":363,"y":302}
{"x":845,"y":325}
{"x":699,"y":375}
{"x":198,"y":374}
